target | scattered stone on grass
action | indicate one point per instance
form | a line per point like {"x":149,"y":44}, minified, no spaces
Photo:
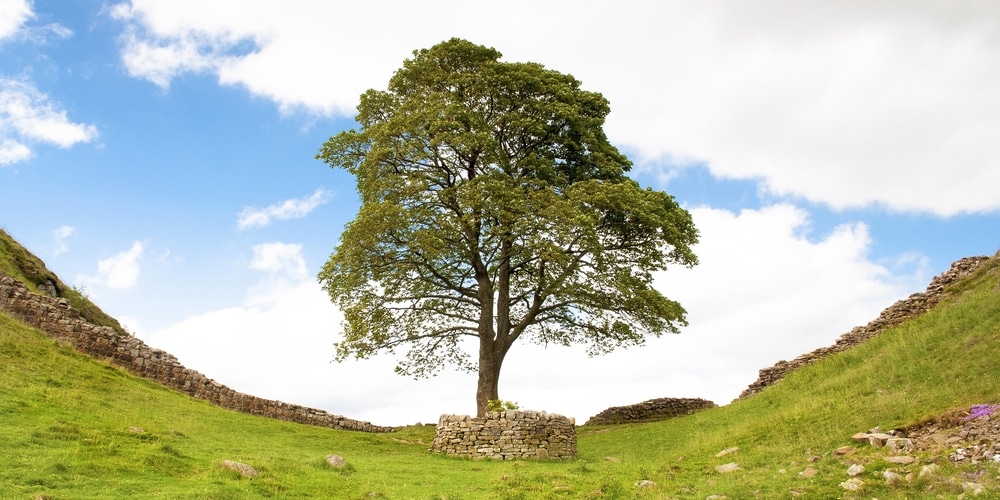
{"x":928,"y":470}
{"x":809,"y":472}
{"x":135,"y":430}
{"x":855,"y":470}
{"x":645,"y":483}
{"x":336,"y":461}
{"x":244,"y":469}
{"x":853,"y":484}
{"x":730,"y":467}
{"x":891,"y":477}
{"x":899,"y":445}
{"x":727,"y":451}
{"x":844,"y":451}
{"x":975,"y":488}
{"x":900,"y":459}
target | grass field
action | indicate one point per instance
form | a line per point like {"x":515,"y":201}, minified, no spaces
{"x":69,"y":430}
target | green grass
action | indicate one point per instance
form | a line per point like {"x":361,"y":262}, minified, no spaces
{"x":65,"y":419}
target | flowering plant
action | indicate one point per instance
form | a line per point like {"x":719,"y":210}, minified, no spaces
{"x":981,"y":411}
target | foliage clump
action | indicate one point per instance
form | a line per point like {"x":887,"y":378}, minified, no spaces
{"x":493,"y":207}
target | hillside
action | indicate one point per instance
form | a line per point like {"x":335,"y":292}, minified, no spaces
{"x":75,"y":427}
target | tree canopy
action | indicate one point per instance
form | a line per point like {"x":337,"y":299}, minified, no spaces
{"x":494,"y":208}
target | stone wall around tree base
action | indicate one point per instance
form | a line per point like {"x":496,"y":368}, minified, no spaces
{"x":506,"y":435}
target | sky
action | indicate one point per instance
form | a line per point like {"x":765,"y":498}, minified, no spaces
{"x":835,"y":156}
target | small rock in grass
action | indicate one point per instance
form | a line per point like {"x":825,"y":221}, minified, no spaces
{"x":845,"y":450}
{"x":901,"y":459}
{"x":853,"y":484}
{"x":975,"y":488}
{"x":900,"y":444}
{"x":727,"y":451}
{"x":892,"y":477}
{"x":730,"y":467}
{"x":809,"y":472}
{"x":135,"y":430}
{"x":244,"y":469}
{"x":855,"y":470}
{"x":613,"y":460}
{"x":878,"y":439}
{"x":336,"y":460}
{"x":928,"y":470}
{"x":645,"y":484}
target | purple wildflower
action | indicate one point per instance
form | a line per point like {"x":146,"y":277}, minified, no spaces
{"x":982,"y":411}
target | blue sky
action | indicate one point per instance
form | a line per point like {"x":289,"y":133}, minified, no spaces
{"x":835,"y":156}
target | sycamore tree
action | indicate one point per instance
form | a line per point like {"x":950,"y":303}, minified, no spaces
{"x":493,"y":208}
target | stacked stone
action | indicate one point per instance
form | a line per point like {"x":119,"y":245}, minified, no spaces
{"x":507,"y":435}
{"x":651,"y":411}
{"x":59,"y":320}
{"x":902,"y":310}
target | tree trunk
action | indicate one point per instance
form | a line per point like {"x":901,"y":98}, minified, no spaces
{"x":490,"y":360}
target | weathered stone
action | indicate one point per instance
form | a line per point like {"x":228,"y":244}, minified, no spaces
{"x":855,"y":470}
{"x":844,"y":451}
{"x":899,"y":444}
{"x":727,"y":451}
{"x":645,"y":483}
{"x":809,"y":472}
{"x":878,"y":439}
{"x":244,"y":469}
{"x":928,"y":470}
{"x":730,"y":467}
{"x":892,"y":477}
{"x":900,"y":459}
{"x":975,"y":488}
{"x":336,"y":461}
{"x":861,"y":437}
{"x":853,"y":484}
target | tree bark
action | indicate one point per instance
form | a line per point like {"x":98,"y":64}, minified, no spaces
{"x":490,"y":360}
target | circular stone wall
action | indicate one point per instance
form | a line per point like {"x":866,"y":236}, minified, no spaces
{"x":506,"y":435}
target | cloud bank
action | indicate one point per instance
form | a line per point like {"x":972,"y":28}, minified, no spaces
{"x":848,"y":104}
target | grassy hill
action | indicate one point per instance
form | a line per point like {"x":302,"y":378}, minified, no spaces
{"x":72,"y":427}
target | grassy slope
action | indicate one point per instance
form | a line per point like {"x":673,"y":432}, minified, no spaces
{"x":18,"y":262}
{"x":64,"y":430}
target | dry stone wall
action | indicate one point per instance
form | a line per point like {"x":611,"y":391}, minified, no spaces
{"x":59,"y":320}
{"x":651,"y":410}
{"x":914,"y":305}
{"x":507,"y":435}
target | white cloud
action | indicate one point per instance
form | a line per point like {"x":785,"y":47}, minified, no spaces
{"x":27,"y":116}
{"x":843,"y":103}
{"x":279,"y":258}
{"x":13,"y":152}
{"x":13,"y":14}
{"x":120,"y":271}
{"x":764,"y":291}
{"x":295,"y":208}
{"x":60,"y":235}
